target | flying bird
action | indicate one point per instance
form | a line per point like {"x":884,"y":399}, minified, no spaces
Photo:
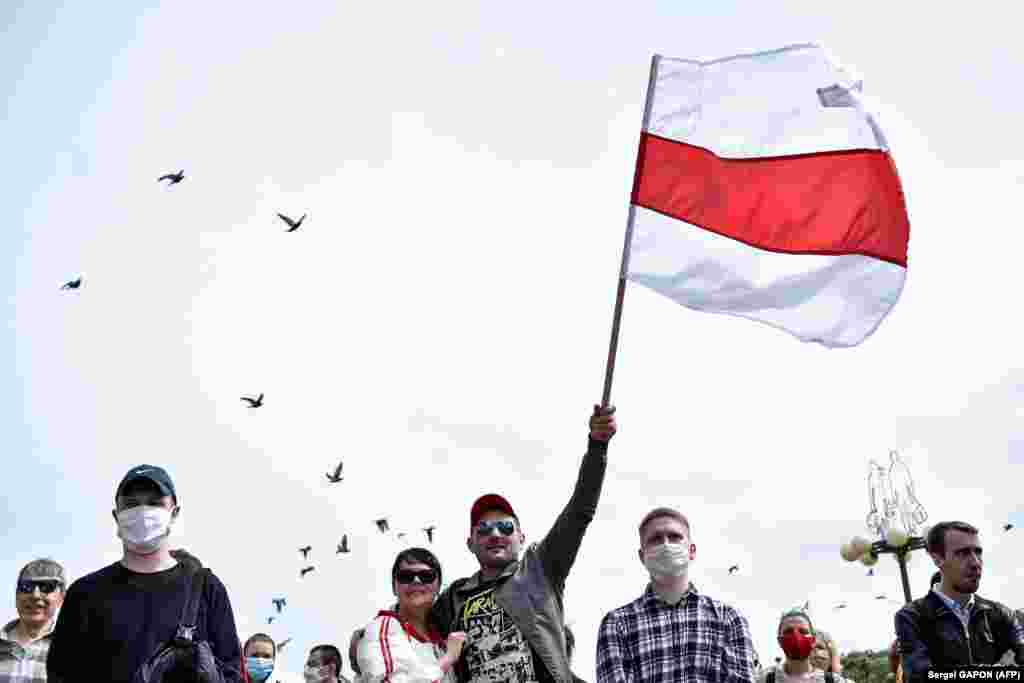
{"x":280,"y":646}
{"x":305,"y":551}
{"x":382,"y":524}
{"x":270,"y":620}
{"x":279,"y":603}
{"x":292,"y":224}
{"x":401,"y":535}
{"x":73,"y":284}
{"x":733,"y":569}
{"x":881,"y":597}
{"x":336,"y":476}
{"x":253,"y":402}
{"x":430,"y":532}
{"x":175,"y":178}
{"x":303,"y":572}
{"x":343,"y":546}
{"x":841,"y":605}
{"x":1007,"y":527}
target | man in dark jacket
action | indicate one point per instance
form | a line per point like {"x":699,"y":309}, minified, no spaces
{"x":113,"y":620}
{"x":511,"y":610}
{"x":952,"y":626}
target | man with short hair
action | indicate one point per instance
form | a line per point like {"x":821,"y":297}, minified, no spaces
{"x":259,"y":654}
{"x":115,"y":619}
{"x":673,"y":632}
{"x":952,"y":626}
{"x":512,"y":608}
{"x":25,"y":642}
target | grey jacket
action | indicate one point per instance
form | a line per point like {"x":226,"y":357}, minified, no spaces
{"x":530,"y":590}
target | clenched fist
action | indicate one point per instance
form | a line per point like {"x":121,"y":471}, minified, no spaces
{"x":602,"y":423}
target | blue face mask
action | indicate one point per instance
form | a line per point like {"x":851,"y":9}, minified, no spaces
{"x":259,"y":668}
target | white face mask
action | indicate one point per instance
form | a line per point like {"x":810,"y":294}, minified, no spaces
{"x":143,"y":527}
{"x":316,"y":674}
{"x":667,"y":560}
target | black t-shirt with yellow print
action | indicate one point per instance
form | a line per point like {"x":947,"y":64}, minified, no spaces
{"x":496,"y":650}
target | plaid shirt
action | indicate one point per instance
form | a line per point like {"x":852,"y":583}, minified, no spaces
{"x":23,"y":664}
{"x":698,"y":640}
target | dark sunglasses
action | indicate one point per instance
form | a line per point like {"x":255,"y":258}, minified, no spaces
{"x":45,"y":587}
{"x":424,"y":575}
{"x":505,"y":526}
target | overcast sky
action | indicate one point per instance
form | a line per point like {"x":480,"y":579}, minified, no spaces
{"x":440,"y":321}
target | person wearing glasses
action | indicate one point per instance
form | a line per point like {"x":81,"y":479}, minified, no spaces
{"x":25,"y":642}
{"x":511,"y":609}
{"x":403,"y":644}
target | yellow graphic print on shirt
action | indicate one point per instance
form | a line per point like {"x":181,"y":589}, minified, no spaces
{"x":495,"y":650}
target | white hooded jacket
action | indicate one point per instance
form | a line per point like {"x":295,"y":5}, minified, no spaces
{"x":393,"y":652}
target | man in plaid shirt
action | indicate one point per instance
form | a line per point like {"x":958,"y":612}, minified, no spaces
{"x":25,"y":642}
{"x":673,"y":632}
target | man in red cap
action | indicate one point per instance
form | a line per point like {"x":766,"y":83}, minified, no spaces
{"x":511,"y":610}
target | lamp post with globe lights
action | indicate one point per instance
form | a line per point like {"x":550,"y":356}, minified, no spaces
{"x":895,"y":518}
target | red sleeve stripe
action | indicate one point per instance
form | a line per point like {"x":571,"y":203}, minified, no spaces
{"x":385,"y":648}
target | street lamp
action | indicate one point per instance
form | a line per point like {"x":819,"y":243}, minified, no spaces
{"x":895,"y":516}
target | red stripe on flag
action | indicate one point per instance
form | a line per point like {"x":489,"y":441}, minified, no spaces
{"x":830,"y":203}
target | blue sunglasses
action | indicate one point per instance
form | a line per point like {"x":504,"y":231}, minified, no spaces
{"x":505,"y":527}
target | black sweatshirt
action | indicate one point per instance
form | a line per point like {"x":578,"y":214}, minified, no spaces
{"x":113,"y":620}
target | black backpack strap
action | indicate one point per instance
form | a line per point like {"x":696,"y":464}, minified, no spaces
{"x":829,"y":677}
{"x":771,"y":677}
{"x":190,"y":612}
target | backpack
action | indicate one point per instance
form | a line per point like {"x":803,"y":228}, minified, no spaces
{"x":829,"y":677}
{"x":182,"y":659}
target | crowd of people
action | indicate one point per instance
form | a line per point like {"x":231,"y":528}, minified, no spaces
{"x":158,"y":615}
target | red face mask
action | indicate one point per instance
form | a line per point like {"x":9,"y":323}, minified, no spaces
{"x":797,"y":645}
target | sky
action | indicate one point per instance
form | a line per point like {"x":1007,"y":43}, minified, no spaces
{"x":440,"y":322}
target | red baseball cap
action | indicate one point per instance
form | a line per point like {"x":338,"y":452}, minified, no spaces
{"x":486,"y":503}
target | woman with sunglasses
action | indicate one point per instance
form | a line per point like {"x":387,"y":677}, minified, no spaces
{"x":401,"y":644}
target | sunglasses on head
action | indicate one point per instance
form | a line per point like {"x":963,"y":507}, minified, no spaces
{"x":506,"y":527}
{"x":408,"y":575}
{"x":45,"y":586}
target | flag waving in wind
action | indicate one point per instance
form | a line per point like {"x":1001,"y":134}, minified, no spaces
{"x":764,"y":189}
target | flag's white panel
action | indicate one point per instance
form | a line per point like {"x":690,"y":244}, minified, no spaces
{"x":788,"y":101}
{"x":833,"y":300}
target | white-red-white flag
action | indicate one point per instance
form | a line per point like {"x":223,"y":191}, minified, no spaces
{"x":765,"y":189}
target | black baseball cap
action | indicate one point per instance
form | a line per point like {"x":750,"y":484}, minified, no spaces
{"x":157,"y":475}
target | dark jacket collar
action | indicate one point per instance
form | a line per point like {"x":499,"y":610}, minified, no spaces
{"x":475,"y":581}
{"x":939,"y":606}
